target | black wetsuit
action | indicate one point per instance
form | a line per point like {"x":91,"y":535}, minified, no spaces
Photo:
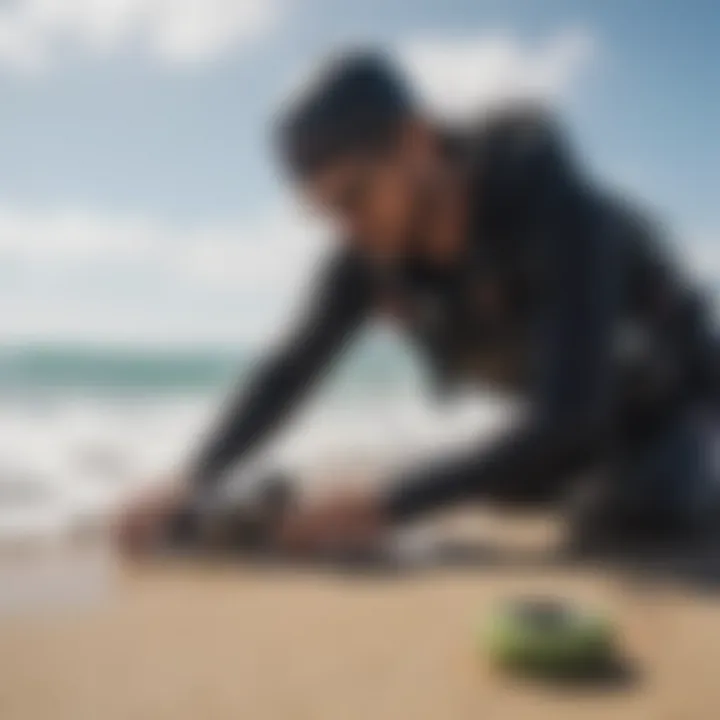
{"x":562,"y":296}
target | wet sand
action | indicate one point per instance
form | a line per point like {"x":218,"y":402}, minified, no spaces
{"x":184,"y":641}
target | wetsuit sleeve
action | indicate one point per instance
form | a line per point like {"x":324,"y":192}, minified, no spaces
{"x":571,"y":395}
{"x":334,"y":312}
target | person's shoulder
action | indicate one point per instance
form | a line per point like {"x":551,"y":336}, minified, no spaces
{"x":517,"y":134}
{"x":514,"y":151}
{"x":517,"y":119}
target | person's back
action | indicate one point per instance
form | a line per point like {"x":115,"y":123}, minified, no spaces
{"x":515,"y":160}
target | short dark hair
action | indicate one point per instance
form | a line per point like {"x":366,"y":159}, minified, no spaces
{"x":356,"y":105}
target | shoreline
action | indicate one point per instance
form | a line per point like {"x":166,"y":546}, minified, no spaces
{"x":184,"y":640}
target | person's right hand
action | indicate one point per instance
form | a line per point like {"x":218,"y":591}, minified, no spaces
{"x":143,"y":521}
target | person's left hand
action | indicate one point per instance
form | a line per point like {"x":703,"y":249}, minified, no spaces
{"x":351,"y":521}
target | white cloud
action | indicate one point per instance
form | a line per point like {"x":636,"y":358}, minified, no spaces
{"x":457,"y":75}
{"x":704,"y":256}
{"x":94,"y":276}
{"x":254,"y":254}
{"x":69,"y":235}
{"x":34,"y":33}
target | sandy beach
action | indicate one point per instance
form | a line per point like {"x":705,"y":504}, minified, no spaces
{"x":185,"y":640}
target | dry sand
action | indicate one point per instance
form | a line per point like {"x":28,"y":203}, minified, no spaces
{"x":184,"y":642}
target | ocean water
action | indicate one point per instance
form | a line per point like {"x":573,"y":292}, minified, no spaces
{"x":83,"y":428}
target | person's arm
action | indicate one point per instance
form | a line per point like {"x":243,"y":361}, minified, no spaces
{"x":335,"y":312}
{"x":571,"y":404}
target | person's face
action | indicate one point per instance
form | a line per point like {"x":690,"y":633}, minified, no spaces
{"x":376,"y":199}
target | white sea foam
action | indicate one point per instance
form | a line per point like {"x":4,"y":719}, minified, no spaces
{"x":68,"y":462}
{"x":72,"y":461}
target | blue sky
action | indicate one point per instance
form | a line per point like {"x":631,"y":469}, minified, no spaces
{"x":138,"y":196}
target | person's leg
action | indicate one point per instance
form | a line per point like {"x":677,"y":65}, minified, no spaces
{"x":660,"y":487}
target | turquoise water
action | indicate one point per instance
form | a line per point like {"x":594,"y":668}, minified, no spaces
{"x":79,"y":369}
{"x":105,"y":370}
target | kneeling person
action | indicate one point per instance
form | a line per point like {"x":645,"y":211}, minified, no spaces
{"x":507,"y":265}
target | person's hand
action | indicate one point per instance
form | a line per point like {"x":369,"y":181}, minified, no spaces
{"x":142,"y":521}
{"x":339,"y":523}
